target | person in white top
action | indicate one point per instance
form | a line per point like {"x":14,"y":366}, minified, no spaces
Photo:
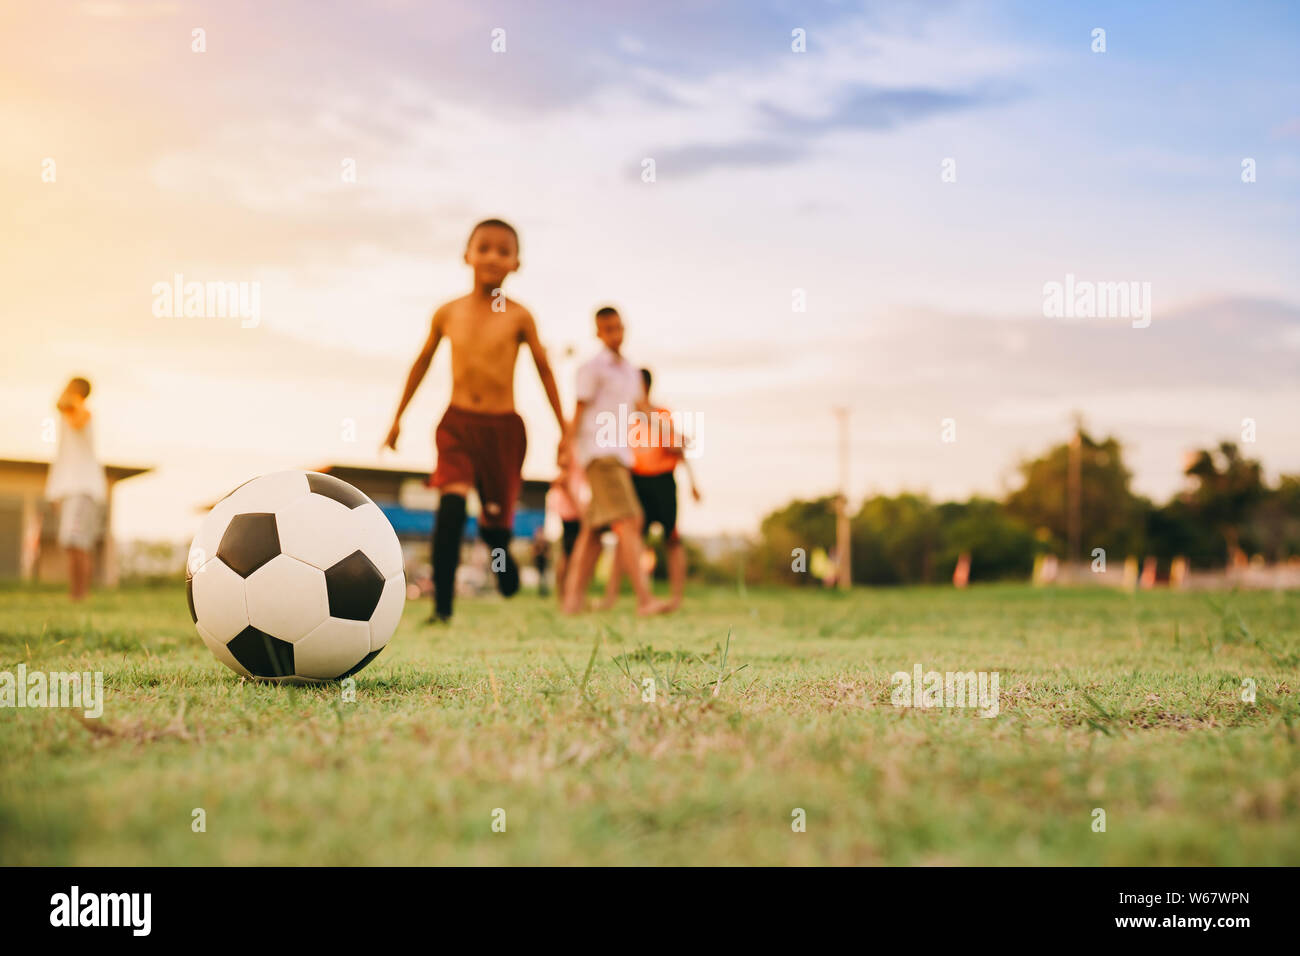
{"x":609,"y":391}
{"x":76,"y":483}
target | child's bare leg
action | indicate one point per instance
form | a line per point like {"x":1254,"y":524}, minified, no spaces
{"x":589,"y":565}
{"x":676,"y":573}
{"x":74,"y":572}
{"x":581,"y":564}
{"x":78,"y":573}
{"x":615,"y":579}
{"x":629,"y":555}
{"x":561,"y":574}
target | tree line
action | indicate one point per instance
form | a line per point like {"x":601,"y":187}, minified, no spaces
{"x":1226,"y":509}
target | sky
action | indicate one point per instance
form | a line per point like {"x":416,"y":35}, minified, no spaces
{"x":781,"y":179}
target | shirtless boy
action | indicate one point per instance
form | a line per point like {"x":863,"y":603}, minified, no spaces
{"x":480,"y":440}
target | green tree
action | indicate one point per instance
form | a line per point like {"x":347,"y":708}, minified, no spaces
{"x":1000,"y":546}
{"x":1273,"y":527}
{"x":1111,"y":516}
{"x":895,"y":540}
{"x":1175,"y":530}
{"x":1227,"y":488}
{"x":805,"y":525}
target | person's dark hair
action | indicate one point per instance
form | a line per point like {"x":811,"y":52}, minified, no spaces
{"x":501,"y":223}
{"x":605,"y":312}
{"x":80,"y":386}
{"x":646,"y":377}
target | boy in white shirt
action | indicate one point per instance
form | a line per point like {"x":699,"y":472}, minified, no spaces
{"x":76,"y":482}
{"x":607,"y":385}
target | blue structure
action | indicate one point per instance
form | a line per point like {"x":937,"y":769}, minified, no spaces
{"x":415,"y":522}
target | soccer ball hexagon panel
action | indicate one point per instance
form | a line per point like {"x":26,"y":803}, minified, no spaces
{"x":297,"y":577}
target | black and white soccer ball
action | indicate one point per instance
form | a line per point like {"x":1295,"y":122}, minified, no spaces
{"x":295,"y":577}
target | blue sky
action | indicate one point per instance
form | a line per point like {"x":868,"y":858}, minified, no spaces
{"x":776,"y":171}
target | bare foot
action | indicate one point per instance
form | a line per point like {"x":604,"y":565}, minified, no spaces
{"x":651,"y":607}
{"x":607,"y":604}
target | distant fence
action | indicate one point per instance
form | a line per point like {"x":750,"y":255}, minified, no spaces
{"x":1269,"y":578}
{"x":1256,"y":577}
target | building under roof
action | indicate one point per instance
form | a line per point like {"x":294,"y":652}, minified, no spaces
{"x":28,"y":549}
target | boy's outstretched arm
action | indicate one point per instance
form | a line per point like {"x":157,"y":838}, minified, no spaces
{"x":418,"y":370}
{"x":529,"y":332}
{"x":695,"y":489}
{"x":571,"y":431}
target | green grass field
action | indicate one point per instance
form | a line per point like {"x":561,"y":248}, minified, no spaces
{"x":1131,"y":704}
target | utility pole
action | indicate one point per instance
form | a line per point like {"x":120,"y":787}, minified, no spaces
{"x":843,"y":559}
{"x":1074,"y":493}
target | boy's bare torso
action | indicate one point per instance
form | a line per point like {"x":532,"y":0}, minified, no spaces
{"x":484,"y":348}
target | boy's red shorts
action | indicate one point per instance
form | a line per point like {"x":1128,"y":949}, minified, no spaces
{"x":485,"y":450}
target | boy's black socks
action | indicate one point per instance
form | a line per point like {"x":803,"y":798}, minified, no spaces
{"x":507,"y":579}
{"x":448,"y":529}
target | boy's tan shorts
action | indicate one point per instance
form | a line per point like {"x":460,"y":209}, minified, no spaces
{"x":612,"y":496}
